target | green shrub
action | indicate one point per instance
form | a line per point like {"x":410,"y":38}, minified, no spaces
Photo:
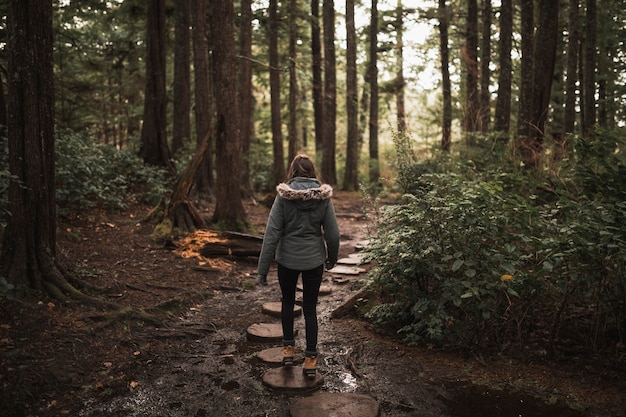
{"x":474,"y":258}
{"x":89,"y":174}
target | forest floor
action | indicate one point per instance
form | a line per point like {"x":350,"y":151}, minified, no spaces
{"x":189,"y":355}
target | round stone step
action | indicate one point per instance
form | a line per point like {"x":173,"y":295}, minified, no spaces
{"x":265,"y":332}
{"x":329,"y":404}
{"x":346,"y":270}
{"x":353,"y":259}
{"x":275,"y":355}
{"x":291,"y":378}
{"x":273,"y":308}
{"x":324,"y":289}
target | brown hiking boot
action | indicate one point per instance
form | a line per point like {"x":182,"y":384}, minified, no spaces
{"x":288,"y":354}
{"x":310,"y":366}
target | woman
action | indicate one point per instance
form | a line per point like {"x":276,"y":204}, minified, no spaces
{"x":302,"y":234}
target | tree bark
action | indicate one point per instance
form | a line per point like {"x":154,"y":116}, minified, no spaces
{"x":470,"y":57}
{"x":502,"y":122}
{"x":154,"y":149}
{"x":203,"y":91}
{"x":277,"y":131}
{"x":374,"y":167}
{"x":589,"y":68}
{"x":445,"y":77}
{"x":400,"y":82}
{"x":293,"y":82}
{"x":316,"y":69}
{"x":329,"y":169}
{"x":229,"y":210}
{"x":485,"y":72}
{"x":246,"y":100}
{"x":182,"y":89}
{"x":524,"y":119}
{"x":351,"y":173}
{"x":545,"y":56}
{"x":573,"y":43}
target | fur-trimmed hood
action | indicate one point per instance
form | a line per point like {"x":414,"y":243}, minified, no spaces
{"x":305,"y":192}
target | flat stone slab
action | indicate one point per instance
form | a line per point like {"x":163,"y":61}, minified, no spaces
{"x":273,"y":308}
{"x":324,"y":290}
{"x":329,"y":404}
{"x":275,"y":355}
{"x":353,"y":259}
{"x":346,"y":270}
{"x":291,"y":378}
{"x":362,"y":245}
{"x":265,"y":332}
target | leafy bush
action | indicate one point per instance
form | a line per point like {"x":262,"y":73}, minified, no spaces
{"x":89,"y":174}
{"x":473,"y":258}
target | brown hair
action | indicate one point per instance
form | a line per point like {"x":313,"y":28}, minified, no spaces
{"x":301,"y":166}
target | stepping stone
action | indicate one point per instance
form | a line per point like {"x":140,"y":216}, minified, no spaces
{"x":265,"y":332}
{"x":329,"y":404}
{"x":273,"y":308}
{"x":275,"y":355}
{"x":362,"y":245}
{"x":324,"y":290}
{"x":346,"y":270}
{"x":291,"y":378}
{"x":353,"y":259}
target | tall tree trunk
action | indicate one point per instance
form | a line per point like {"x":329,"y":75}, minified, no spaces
{"x":485,"y":72}
{"x":545,"y":58}
{"x":229,"y":210}
{"x":293,"y":82}
{"x":400,"y":107}
{"x":29,"y":247}
{"x":351,"y":173}
{"x":203,"y":88}
{"x":182,"y":90}
{"x":316,"y":69}
{"x":470,"y":57}
{"x":524,"y":119}
{"x":502,"y":122}
{"x":573,"y":43}
{"x":374,"y":167}
{"x":28,"y":257}
{"x":329,"y":169}
{"x":154,"y":149}
{"x":277,"y":131}
{"x":446,"y":88}
{"x":589,"y":68}
{"x":246,"y":101}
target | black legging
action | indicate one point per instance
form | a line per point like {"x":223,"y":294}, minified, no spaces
{"x":311,"y":281}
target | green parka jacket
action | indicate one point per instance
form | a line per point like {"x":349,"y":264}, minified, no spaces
{"x":301,"y":231}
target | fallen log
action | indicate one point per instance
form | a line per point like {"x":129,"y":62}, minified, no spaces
{"x":214,"y":244}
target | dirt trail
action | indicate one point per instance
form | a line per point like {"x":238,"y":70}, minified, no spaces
{"x":59,"y":360}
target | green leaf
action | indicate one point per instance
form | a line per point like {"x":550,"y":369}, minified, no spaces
{"x":457,"y":264}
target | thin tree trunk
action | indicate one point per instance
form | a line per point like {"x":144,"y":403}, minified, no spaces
{"x":351,"y":176}
{"x":470,"y":57}
{"x":204,"y":109}
{"x":524,"y":119}
{"x":545,"y":57}
{"x":502,"y":122}
{"x":400,"y":106}
{"x":229,"y":210}
{"x":277,"y":132}
{"x":293,"y":82}
{"x":316,"y":69}
{"x":485,"y":72}
{"x":573,"y":43}
{"x":589,"y":68}
{"x":246,"y":102}
{"x":182,"y":91}
{"x":374,"y":167}
{"x":154,"y":149}
{"x":329,"y":169}
{"x":445,"y":76}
